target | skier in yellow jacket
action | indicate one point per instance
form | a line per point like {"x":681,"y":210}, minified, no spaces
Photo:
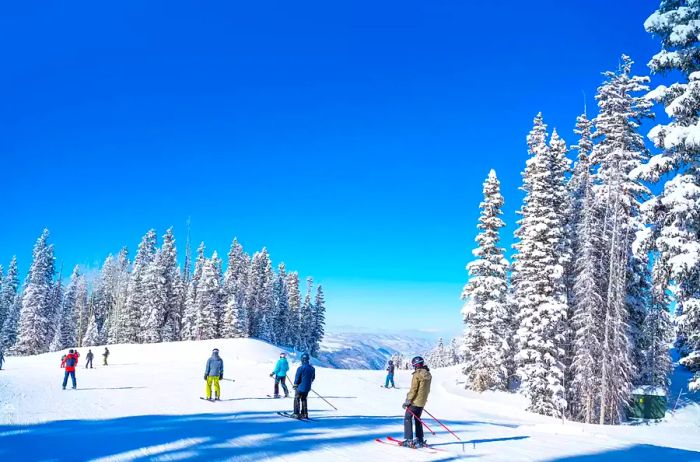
{"x":416,"y":399}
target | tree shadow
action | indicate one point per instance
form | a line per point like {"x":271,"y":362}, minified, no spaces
{"x":636,"y":453}
{"x":473,"y":443}
{"x":198,"y":437}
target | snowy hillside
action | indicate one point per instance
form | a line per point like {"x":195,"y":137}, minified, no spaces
{"x":369,"y":351}
{"x":145,"y":406}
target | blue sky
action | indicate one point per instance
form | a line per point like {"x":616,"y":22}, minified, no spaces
{"x":350,"y":138}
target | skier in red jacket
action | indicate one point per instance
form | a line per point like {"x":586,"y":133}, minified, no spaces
{"x":70,"y":362}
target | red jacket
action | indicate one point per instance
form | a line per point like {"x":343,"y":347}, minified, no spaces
{"x":73,"y":358}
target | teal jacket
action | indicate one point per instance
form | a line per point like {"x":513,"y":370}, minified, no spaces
{"x":281,"y":368}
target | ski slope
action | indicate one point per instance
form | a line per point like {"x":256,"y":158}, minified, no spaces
{"x":145,"y":406}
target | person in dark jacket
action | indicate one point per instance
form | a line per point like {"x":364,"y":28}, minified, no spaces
{"x":390,"y":375}
{"x":214,"y":372}
{"x":70,"y":362}
{"x":88,"y":358}
{"x":305,"y":376}
{"x":105,"y":355}
{"x":2,"y":359}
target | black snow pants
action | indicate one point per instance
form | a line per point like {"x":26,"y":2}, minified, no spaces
{"x":300,"y":402}
{"x":278,"y":381}
{"x":408,"y":423}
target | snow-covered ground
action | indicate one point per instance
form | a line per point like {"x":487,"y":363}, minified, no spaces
{"x":145,"y":406}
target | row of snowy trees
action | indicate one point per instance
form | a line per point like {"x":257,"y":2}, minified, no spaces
{"x":582,"y":315}
{"x":151,"y":300}
{"x":444,"y":355}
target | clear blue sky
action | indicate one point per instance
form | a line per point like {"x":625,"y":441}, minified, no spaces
{"x":351,"y":138}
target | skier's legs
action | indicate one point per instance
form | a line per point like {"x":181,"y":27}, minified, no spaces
{"x":297,"y":403}
{"x":408,"y":425}
{"x":277,"y":386}
{"x":284,"y":386}
{"x":391,"y":379}
{"x":304,"y":409}
{"x":207,"y":389}
{"x":217,"y":387}
{"x":65,"y":378}
{"x":72,"y":377}
{"x":418,"y":411}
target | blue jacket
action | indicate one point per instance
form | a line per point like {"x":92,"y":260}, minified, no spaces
{"x":281,"y":368}
{"x":215,"y":366}
{"x":306,"y":374}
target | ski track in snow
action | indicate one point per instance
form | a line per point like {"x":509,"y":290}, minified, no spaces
{"x":145,"y":406}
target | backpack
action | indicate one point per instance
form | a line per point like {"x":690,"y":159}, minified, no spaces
{"x":70,"y":361}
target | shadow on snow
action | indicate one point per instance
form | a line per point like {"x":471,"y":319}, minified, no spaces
{"x":205,"y":437}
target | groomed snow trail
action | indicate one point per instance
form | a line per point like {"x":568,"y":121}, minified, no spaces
{"x":145,"y":406}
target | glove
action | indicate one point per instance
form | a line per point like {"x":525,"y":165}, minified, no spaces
{"x":205,"y":376}
{"x":272,"y":375}
{"x":295,"y":386}
{"x":221,"y":377}
{"x":406,"y":404}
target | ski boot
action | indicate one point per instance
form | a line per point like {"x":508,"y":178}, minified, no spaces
{"x":286,"y":394}
{"x":417,"y":443}
{"x":217,"y":399}
{"x":304,"y":416}
{"x":407,"y":444}
{"x":276,"y":396}
{"x":295,"y":416}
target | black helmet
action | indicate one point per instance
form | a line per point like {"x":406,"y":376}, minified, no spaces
{"x":70,"y":351}
{"x":417,"y":362}
{"x":391,"y":361}
{"x":305,"y":358}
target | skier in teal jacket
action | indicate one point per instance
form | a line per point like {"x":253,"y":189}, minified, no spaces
{"x":280,"y":375}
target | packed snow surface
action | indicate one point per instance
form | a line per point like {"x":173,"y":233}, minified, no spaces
{"x":145,"y":406}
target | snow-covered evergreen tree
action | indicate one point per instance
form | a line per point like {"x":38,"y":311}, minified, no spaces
{"x":619,"y":151}
{"x":36,"y":309}
{"x":92,"y":336}
{"x":540,"y":292}
{"x":306,"y":319}
{"x":120,"y":287}
{"x":294,"y":297}
{"x":259,"y":299}
{"x":10,"y":300}
{"x":587,"y":308}
{"x":236,"y":322}
{"x":207,"y":301}
{"x":280,"y":324}
{"x":131,"y":322}
{"x":673,"y":214}
{"x":162,"y":294}
{"x":66,"y":334}
{"x":485,"y":313}
{"x":319,"y":321}
{"x":190,"y":310}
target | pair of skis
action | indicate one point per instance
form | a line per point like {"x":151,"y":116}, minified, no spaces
{"x":394,"y":442}
{"x":289,"y":416}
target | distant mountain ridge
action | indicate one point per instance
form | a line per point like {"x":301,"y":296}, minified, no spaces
{"x":354,"y":350}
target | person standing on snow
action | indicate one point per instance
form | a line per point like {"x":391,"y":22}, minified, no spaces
{"x":213,"y":373}
{"x":2,"y":359}
{"x":69,"y":362}
{"x":105,"y":355}
{"x":416,"y":399}
{"x":390,"y":375}
{"x":88,"y":359}
{"x":63,"y":361}
{"x":305,"y":376}
{"x":280,"y":375}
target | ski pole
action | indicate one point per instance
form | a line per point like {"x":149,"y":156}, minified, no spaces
{"x":419,"y":420}
{"x":324,"y":399}
{"x":229,"y":380}
{"x":443,"y":425}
